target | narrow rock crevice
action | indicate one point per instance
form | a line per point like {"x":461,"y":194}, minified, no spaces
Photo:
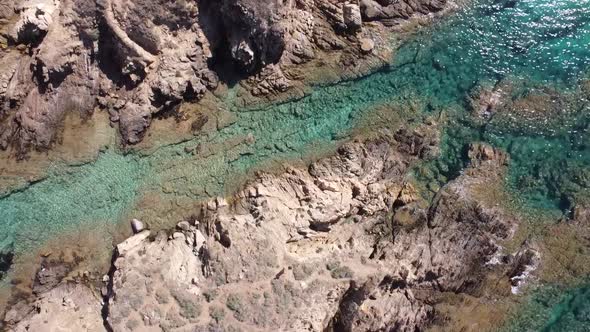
{"x":108,"y":294}
{"x":6,"y":261}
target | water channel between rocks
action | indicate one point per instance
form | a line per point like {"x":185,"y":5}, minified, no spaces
{"x":535,"y":52}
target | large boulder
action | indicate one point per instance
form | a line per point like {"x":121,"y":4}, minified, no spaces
{"x":312,"y":248}
{"x":251,"y":31}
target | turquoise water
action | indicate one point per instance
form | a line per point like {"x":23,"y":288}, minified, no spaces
{"x":533,"y":45}
{"x":554,"y":309}
{"x":540,"y":49}
{"x":108,"y":189}
{"x":95,"y":192}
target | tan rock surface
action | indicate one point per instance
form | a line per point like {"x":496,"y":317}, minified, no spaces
{"x":65,"y":308}
{"x":335,"y":245}
{"x":150,"y":56}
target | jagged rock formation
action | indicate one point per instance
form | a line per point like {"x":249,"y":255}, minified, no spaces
{"x":346,"y":244}
{"x":392,"y":9}
{"x":135,"y":59}
{"x":130,"y":70}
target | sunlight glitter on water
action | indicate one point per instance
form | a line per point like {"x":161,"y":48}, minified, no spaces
{"x":537,"y":49}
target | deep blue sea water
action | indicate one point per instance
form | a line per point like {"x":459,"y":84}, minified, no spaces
{"x":538,"y":51}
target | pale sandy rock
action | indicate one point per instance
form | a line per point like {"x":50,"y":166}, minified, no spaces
{"x":65,"y":308}
{"x":372,"y":307}
{"x":408,"y":194}
{"x":132,"y":243}
{"x":55,"y":63}
{"x":143,"y":286}
{"x":200,"y":240}
{"x":299,"y":39}
{"x":480,"y":153}
{"x":10,"y":68}
{"x":178,"y":236}
{"x":295,"y":235}
{"x":328,"y":245}
{"x":367,"y":45}
{"x":48,"y":84}
{"x":270,"y":80}
{"x":183,"y":225}
{"x":221,"y":202}
{"x":7,"y":9}
{"x":137,"y":226}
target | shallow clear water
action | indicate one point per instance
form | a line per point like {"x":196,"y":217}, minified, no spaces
{"x":554,"y":309}
{"x":532,"y":45}
{"x":539,"y":48}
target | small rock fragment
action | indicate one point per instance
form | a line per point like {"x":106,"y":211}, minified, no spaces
{"x":178,"y":235}
{"x":199,"y":239}
{"x":183,"y":225}
{"x":221,"y":202}
{"x":137,"y":226}
{"x":367,"y":45}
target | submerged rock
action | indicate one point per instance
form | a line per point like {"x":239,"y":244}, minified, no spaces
{"x":49,"y":276}
{"x":396,"y":10}
{"x":6,"y":260}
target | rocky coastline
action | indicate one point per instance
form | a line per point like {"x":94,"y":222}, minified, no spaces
{"x":346,"y":244}
{"x":139,"y":61}
{"x":351,"y":241}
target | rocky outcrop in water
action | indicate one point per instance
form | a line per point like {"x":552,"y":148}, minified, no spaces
{"x":136,"y":60}
{"x":345,"y":244}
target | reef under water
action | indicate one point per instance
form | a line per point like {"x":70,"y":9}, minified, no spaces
{"x":553,"y":308}
{"x":510,"y":73}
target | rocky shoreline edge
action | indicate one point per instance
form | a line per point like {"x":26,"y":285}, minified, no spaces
{"x":318,"y":248}
{"x":345,"y":244}
{"x":141,"y":62}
